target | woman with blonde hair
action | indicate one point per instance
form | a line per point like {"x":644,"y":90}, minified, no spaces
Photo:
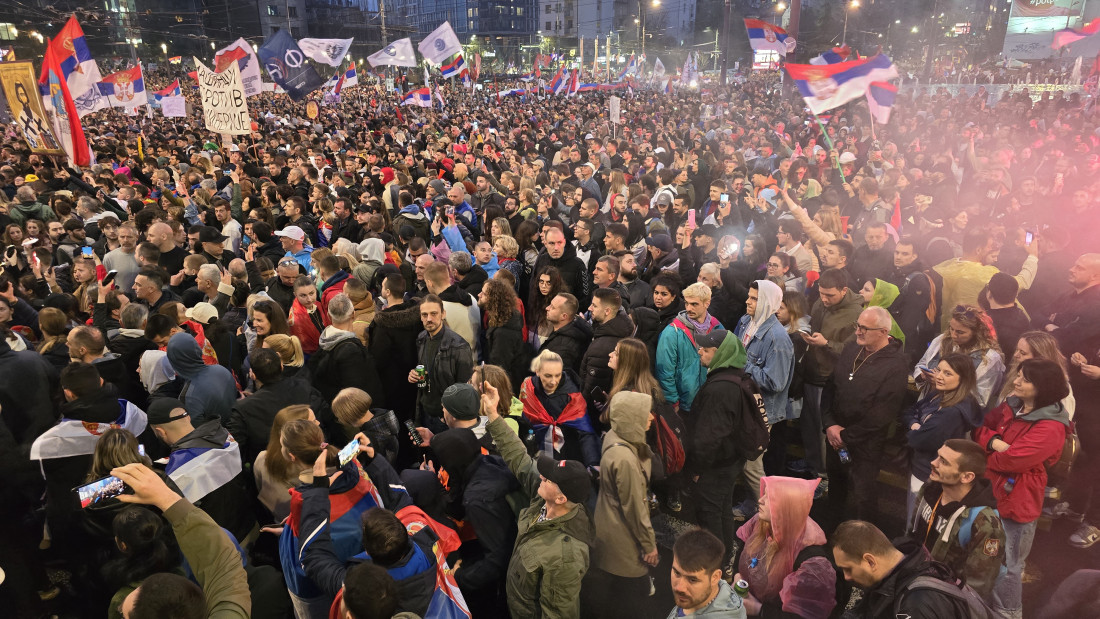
{"x":355,"y":412}
{"x":53,"y":323}
{"x":969,"y":332}
{"x":498,"y":228}
{"x":616,"y":185}
{"x":272,"y":470}
{"x":774,"y":538}
{"x":289,"y":348}
{"x":557,"y":412}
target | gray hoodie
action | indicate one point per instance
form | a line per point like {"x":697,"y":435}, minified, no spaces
{"x":727,"y":605}
{"x":209,"y":391}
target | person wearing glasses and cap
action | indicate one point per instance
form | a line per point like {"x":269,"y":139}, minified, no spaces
{"x":869,"y":382}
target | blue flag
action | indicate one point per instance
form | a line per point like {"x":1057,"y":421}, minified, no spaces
{"x":287,"y":66}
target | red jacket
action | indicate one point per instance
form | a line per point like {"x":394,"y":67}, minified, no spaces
{"x":1035,"y":440}
{"x":303,"y":327}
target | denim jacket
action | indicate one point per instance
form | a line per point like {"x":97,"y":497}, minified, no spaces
{"x":770,"y":364}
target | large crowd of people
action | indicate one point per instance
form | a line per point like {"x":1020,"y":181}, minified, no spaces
{"x":397,"y":361}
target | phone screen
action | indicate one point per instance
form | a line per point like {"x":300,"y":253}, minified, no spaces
{"x":1028,"y":237}
{"x":99,"y":490}
{"x":691,"y":218}
{"x":86,"y":251}
{"x":348,"y":453}
{"x":450,"y":211}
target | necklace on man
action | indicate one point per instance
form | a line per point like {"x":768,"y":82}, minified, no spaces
{"x":857,"y":363}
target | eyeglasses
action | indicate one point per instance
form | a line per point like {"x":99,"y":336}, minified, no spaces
{"x":774,"y":265}
{"x":864,"y":329}
{"x":288,"y":263}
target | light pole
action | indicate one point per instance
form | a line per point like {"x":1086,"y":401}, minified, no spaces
{"x":854,"y":4}
{"x":641,"y":19}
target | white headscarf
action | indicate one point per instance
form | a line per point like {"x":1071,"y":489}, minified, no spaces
{"x":155,"y":369}
{"x":769,"y":298}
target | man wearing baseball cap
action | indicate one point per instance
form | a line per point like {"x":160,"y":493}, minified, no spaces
{"x":293,"y":239}
{"x":555,"y":530}
{"x":462,"y":409}
{"x":211,"y":242}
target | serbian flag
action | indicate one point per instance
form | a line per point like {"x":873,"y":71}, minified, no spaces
{"x":668,"y":86}
{"x":880,"y":100}
{"x":351,"y":78}
{"x":764,"y":36}
{"x":77,"y":67}
{"x":527,"y":77}
{"x":454,"y":67}
{"x":420,"y":96}
{"x":558,"y":83}
{"x":175,"y":60}
{"x":628,"y":69}
{"x":60,"y":106}
{"x":833,"y":56}
{"x":173,"y":90}
{"x":825,"y":87}
{"x":1066,"y":36}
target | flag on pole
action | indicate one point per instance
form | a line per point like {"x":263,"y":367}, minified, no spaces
{"x":125,"y":89}
{"x":241,"y":52}
{"x":558,"y":82}
{"x":658,"y":70}
{"x":1066,"y":36}
{"x":768,"y":37}
{"x":439,"y":95}
{"x":453,"y":67}
{"x":825,"y":87}
{"x":173,"y":90}
{"x":326,"y":51}
{"x":668,"y":86}
{"x":421,"y":97}
{"x":441,"y":44}
{"x":74,"y":59}
{"x":351,"y":78}
{"x":400,"y":53}
{"x":175,"y":60}
{"x":477,"y":67}
{"x":286,"y":65}
{"x":527,"y":77}
{"x":58,"y":101}
{"x":627,"y":70}
{"x":833,"y":56}
{"x":880,"y":100}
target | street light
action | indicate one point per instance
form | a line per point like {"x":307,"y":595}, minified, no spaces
{"x":854,"y":4}
{"x":780,"y":7}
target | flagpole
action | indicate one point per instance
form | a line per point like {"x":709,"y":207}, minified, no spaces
{"x":829,"y":142}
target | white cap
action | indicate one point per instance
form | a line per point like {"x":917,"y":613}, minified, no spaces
{"x":847,"y":158}
{"x":233,"y":148}
{"x":202,"y":312}
{"x":292,"y":232}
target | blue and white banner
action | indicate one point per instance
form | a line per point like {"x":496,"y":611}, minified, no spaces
{"x":287,"y":66}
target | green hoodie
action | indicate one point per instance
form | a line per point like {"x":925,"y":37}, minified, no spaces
{"x":730,"y":354}
{"x":884,"y":296}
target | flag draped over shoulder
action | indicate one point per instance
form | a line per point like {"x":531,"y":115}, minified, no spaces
{"x":825,"y":87}
{"x":59,"y":104}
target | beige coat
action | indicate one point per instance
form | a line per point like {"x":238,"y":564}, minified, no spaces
{"x":623,"y":529}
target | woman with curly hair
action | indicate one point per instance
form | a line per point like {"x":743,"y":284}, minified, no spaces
{"x":503,"y":329}
{"x":969,"y":332}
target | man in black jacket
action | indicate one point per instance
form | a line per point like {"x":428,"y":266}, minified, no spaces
{"x":712,"y":459}
{"x":885,"y":573}
{"x":391,"y":341}
{"x":478,"y":489}
{"x":917,"y":290}
{"x":205,"y":463}
{"x":251,"y":418}
{"x":571,"y":334}
{"x":446,"y":358}
{"x":610,"y":324}
{"x":281,"y":287}
{"x":342,"y":361}
{"x":561,"y":254}
{"x":867,"y":389}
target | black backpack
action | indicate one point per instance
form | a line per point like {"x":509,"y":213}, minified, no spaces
{"x":752,"y":439}
{"x":976,"y":606}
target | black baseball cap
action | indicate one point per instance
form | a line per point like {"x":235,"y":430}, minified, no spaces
{"x":713,"y":339}
{"x":165,"y":410}
{"x":570,"y":476}
{"x":210,"y":234}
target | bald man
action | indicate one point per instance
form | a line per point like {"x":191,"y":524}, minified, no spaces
{"x":171,"y":255}
{"x":1076,"y":324}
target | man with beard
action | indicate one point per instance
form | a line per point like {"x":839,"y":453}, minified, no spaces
{"x":957,"y":503}
{"x":697,"y":584}
{"x":917,"y":295}
{"x":638,"y":292}
{"x":875,"y":259}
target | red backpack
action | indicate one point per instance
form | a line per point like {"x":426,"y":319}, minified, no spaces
{"x":669,"y":447}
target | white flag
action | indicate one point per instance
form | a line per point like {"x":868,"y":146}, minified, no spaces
{"x":658,"y":70}
{"x":400,"y":53}
{"x":247,"y":62}
{"x":441,"y":44}
{"x":326,"y":51}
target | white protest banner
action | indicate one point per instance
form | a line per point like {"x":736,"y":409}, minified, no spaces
{"x":241,"y":52}
{"x":173,"y":107}
{"x":224,"y":103}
